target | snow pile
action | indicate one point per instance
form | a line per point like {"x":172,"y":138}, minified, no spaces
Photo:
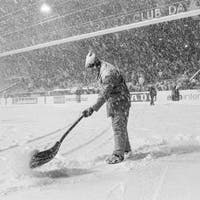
{"x":15,"y":169}
{"x":17,"y":162}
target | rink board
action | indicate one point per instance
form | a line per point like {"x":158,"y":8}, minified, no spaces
{"x":163,"y":97}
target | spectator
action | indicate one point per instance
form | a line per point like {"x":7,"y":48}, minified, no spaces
{"x":175,"y":93}
{"x":152,"y":94}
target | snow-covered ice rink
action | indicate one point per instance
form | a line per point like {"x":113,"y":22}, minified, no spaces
{"x":165,"y":165}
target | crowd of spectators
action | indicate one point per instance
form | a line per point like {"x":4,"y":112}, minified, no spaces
{"x":27,"y":26}
{"x":23,"y":24}
{"x":164,"y":54}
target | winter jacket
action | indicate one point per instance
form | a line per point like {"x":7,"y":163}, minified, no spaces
{"x":152,"y":91}
{"x":114,"y":90}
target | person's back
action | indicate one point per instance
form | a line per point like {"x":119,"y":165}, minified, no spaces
{"x":113,"y":88}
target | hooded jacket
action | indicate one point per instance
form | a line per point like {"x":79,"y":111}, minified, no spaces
{"x":114,"y":90}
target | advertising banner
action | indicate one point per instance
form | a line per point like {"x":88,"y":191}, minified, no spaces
{"x":162,"y":10}
{"x":68,"y":98}
{"x":140,"y":97}
{"x":25,"y":100}
{"x":59,"y":99}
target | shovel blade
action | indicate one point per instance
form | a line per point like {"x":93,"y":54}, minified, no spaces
{"x":43,"y":157}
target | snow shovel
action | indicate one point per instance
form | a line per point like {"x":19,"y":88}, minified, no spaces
{"x":40,"y":158}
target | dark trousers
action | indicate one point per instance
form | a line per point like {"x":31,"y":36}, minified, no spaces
{"x":151,"y":100}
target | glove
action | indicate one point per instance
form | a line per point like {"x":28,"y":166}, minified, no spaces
{"x":88,"y":112}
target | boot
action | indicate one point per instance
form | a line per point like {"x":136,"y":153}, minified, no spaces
{"x":114,"y":159}
{"x":128,"y":154}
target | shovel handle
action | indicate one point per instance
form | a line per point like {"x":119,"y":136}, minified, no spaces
{"x":72,"y":126}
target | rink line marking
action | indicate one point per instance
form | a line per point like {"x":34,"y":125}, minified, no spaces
{"x":54,"y":132}
{"x":88,"y":142}
{"x":34,"y":139}
{"x":160,"y":183}
{"x":44,"y":136}
{"x":8,"y":148}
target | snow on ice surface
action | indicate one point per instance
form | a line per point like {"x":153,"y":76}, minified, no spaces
{"x":165,"y":141}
